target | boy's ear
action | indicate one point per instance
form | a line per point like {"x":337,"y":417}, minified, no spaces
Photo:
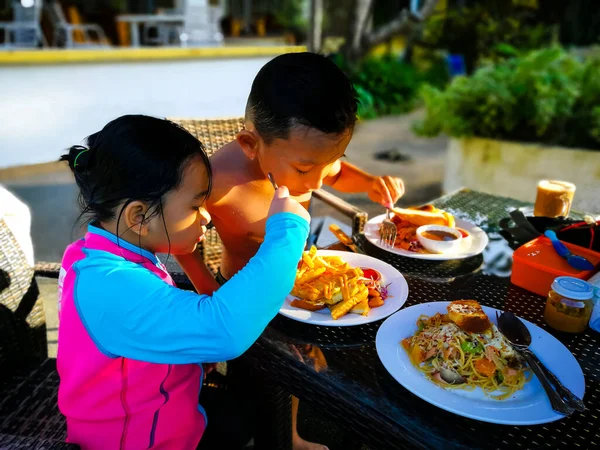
{"x":134,"y":216}
{"x":249,"y":141}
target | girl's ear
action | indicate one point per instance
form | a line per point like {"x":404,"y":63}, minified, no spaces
{"x":250,"y":141}
{"x":134,"y":216}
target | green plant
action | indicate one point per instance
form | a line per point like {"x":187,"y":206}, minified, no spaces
{"x":386,"y":85}
{"x":546,"y":96}
{"x":290,"y":16}
{"x":392,"y":84}
{"x":366,"y":103}
{"x":487,"y":32}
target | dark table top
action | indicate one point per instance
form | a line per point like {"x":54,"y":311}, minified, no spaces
{"x":337,"y":368}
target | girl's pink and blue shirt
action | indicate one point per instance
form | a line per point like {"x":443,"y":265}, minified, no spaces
{"x":131,"y":344}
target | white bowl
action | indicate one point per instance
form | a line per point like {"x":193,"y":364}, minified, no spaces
{"x":466,"y":240}
{"x":440,"y":246}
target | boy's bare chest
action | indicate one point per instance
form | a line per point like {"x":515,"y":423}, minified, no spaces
{"x":242,"y":217}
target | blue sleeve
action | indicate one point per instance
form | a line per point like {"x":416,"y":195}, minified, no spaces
{"x":129,"y":311}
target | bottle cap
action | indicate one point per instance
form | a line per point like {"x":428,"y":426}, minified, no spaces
{"x":574,"y":288}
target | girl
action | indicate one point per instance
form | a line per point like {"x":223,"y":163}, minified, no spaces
{"x":130,"y":343}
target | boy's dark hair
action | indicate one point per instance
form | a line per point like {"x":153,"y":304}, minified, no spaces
{"x":301,"y":89}
{"x":132,"y":158}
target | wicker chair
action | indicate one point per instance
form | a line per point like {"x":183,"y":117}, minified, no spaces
{"x":29,"y":415}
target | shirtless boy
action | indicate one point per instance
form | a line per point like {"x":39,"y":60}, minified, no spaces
{"x":299,"y":119}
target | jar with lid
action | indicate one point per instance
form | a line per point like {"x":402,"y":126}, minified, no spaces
{"x":569,"y":305}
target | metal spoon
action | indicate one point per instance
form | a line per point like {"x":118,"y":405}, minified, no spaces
{"x":272,"y":180}
{"x":515,"y":331}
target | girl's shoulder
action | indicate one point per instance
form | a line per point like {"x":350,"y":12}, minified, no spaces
{"x":108,"y":266}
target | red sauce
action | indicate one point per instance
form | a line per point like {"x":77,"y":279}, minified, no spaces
{"x":371,"y":274}
{"x":463,"y":232}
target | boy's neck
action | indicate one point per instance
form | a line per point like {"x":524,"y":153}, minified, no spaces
{"x":253,"y":167}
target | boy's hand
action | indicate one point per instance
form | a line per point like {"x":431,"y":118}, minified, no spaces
{"x":386,"y":190}
{"x":283,"y":203}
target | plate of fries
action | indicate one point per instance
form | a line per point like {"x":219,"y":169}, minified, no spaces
{"x":408,"y":220}
{"x":339,"y":288}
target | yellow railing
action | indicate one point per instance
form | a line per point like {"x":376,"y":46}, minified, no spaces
{"x":58,"y":56}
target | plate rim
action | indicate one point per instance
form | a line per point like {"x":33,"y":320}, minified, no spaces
{"x":366,"y":319}
{"x":462,"y":223}
{"x":552,"y":416}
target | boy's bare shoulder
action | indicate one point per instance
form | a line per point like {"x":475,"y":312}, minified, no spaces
{"x":229,"y":158}
{"x":229,"y":170}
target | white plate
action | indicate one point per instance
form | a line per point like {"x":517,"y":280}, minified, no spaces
{"x":529,"y":406}
{"x":398,"y":290}
{"x":470,"y":247}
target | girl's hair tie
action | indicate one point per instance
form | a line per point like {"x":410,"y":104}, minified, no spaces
{"x":78,"y":155}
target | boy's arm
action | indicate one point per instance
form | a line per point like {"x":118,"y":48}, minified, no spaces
{"x":346,"y":177}
{"x":195,"y":269}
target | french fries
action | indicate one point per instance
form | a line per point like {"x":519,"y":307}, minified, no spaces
{"x":328,"y":281}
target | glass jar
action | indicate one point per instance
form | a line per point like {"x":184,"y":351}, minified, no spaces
{"x":569,"y":305}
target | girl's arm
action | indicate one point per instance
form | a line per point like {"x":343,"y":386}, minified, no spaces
{"x":130,"y":312}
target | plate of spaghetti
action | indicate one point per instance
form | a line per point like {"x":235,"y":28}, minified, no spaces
{"x":452,"y":355}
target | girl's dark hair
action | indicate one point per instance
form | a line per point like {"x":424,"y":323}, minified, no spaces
{"x":301,"y":89}
{"x":132,"y":158}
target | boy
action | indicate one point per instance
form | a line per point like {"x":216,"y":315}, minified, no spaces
{"x":299,"y":119}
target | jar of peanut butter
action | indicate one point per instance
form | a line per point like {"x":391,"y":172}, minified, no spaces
{"x":569,"y":305}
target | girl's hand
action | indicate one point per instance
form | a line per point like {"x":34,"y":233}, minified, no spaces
{"x":386,"y":190}
{"x":283,"y":203}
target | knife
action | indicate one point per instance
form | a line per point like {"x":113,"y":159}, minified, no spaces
{"x":345,"y":239}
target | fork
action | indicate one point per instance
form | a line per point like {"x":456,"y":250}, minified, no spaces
{"x":387,"y":231}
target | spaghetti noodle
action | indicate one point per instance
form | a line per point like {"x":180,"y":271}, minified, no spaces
{"x":454,"y":358}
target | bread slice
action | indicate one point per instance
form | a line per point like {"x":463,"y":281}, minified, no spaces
{"x":362,"y":308}
{"x":419,"y":218}
{"x":450,"y":219}
{"x":469,"y":316}
{"x":427,"y":207}
{"x":305,"y":304}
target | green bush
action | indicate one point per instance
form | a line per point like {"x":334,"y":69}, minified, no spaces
{"x":546,"y":96}
{"x":488,"y":31}
{"x":392,"y":84}
{"x":386,"y":85}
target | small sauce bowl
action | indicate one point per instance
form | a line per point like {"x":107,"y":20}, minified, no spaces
{"x":371,"y":274}
{"x":439,"y":239}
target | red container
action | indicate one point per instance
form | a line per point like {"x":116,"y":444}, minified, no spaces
{"x":536,"y":264}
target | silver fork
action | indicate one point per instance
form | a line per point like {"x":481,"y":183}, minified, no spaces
{"x":387,"y":232}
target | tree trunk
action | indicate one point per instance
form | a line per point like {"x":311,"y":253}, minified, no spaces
{"x":315,"y":26}
{"x":358,"y":18}
{"x":359,"y":40}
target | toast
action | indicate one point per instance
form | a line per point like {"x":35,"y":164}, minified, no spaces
{"x":306,"y":304}
{"x":362,"y":308}
{"x":469,"y":316}
{"x":429,"y":215}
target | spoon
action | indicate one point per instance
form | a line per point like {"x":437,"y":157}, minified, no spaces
{"x":575,"y":261}
{"x":562,"y":400}
{"x":272,"y":180}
